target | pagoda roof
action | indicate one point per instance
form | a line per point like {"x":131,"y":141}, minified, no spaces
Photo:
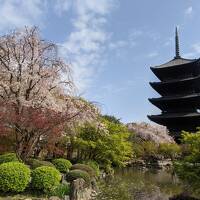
{"x":174,"y":115}
{"x":175,"y":80}
{"x":175,"y":62}
{"x":171,"y":98}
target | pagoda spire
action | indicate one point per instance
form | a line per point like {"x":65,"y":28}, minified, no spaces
{"x":177,"y":43}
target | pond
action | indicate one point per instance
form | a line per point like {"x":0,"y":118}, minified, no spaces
{"x":135,"y":184}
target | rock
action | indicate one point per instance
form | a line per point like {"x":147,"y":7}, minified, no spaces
{"x":80,"y":192}
{"x":66,"y":198}
{"x":148,"y":132}
{"x":54,"y":198}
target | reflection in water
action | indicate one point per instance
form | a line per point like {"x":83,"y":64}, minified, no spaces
{"x":182,"y":197}
{"x":133,"y":184}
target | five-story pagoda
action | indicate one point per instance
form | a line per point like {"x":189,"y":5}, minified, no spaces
{"x":179,"y":88}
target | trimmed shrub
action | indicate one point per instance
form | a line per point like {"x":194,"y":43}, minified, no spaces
{"x":14,"y":177}
{"x":62,"y":165}
{"x":85,"y":168}
{"x":8,"y":157}
{"x":94,"y":165}
{"x":75,"y":174}
{"x":45,"y":178}
{"x":61,"y":190}
{"x":34,"y":163}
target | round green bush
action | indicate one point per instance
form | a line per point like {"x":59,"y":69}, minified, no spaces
{"x":8,"y":157}
{"x":75,"y":174}
{"x":34,"y":163}
{"x":62,"y":165}
{"x":85,"y":168}
{"x":14,"y":177}
{"x":45,"y":178}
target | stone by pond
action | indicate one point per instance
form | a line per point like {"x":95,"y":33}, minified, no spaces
{"x":135,"y":184}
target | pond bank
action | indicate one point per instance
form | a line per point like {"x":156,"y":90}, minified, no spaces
{"x":131,"y":183}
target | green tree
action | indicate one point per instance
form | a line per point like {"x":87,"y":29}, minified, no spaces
{"x":188,"y":168}
{"x":106,"y":143}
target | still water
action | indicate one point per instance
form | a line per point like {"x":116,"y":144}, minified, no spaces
{"x":135,"y":184}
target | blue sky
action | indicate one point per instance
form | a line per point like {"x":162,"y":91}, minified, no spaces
{"x":112,"y":43}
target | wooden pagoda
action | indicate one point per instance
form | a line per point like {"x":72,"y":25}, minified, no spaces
{"x":179,"y":88}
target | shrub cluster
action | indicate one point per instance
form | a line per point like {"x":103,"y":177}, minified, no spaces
{"x":61,"y":190}
{"x":85,"y":168}
{"x":34,"y":163}
{"x":62,"y":165}
{"x":14,"y":177}
{"x":94,"y":165}
{"x":75,"y":174}
{"x":8,"y":157}
{"x":169,"y":150}
{"x":45,"y":178}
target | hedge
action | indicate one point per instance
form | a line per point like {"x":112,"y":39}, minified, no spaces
{"x":8,"y":157}
{"x":75,"y":174}
{"x":14,"y":177}
{"x":45,"y":178}
{"x":85,"y":168}
{"x":34,"y":163}
{"x":62,"y":165}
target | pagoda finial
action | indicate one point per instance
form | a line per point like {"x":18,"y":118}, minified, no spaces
{"x":177,"y":44}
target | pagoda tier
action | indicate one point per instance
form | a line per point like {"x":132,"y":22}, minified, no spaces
{"x":178,"y":121}
{"x":177,"y":103}
{"x":178,"y":67}
{"x":179,"y":88}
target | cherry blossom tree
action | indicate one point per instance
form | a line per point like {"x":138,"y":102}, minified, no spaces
{"x":36,"y":91}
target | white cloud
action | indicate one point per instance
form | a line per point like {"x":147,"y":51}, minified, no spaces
{"x":61,"y":6}
{"x":169,"y":41}
{"x":85,"y":44}
{"x":118,"y":44}
{"x":152,"y":54}
{"x":195,"y":51}
{"x":18,"y":13}
{"x":196,"y":48}
{"x":189,"y":11}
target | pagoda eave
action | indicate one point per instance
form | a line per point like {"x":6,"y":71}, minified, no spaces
{"x":170,"y":117}
{"x":167,"y":103}
{"x":176,"y":62}
{"x":191,"y":79}
{"x":174,"y":98}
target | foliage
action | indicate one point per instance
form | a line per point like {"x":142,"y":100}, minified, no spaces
{"x":111,"y":119}
{"x":150,"y":149}
{"x":8,"y":157}
{"x":138,"y":150}
{"x":7,"y":142}
{"x":61,"y":190}
{"x":62,"y":165}
{"x":77,"y":173}
{"x":36,"y":92}
{"x":169,"y":150}
{"x":14,"y":177}
{"x":85,"y":168}
{"x":188,"y":168}
{"x":106,"y":143}
{"x":45,"y":178}
{"x":94,"y":165}
{"x":192,"y":143}
{"x":34,"y":163}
